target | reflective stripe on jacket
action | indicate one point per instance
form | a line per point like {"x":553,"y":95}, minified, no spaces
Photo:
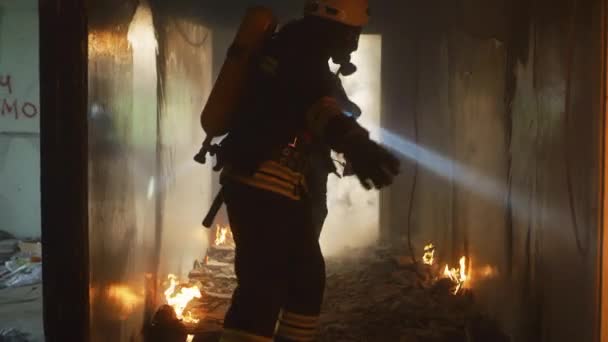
{"x":274,"y":177}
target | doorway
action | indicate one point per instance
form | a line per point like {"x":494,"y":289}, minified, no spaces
{"x":352,"y":209}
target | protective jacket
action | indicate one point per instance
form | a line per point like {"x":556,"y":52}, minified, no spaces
{"x":272,"y":145}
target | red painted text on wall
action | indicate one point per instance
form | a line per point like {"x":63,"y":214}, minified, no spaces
{"x":13,"y":106}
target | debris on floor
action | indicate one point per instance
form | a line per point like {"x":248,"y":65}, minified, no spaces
{"x":20,"y":262}
{"x":14,"y":335}
{"x":216,"y":272}
{"x":372,"y":295}
{"x":32,"y":248}
{"x":8,"y":247}
{"x":29,"y":273}
{"x":20,"y":290}
{"x":218,"y":281}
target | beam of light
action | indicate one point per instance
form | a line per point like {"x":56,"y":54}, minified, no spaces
{"x":446,"y":168}
{"x":494,"y":190}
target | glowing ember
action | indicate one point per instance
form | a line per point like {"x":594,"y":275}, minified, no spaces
{"x":178,"y":297}
{"x":457,"y":275}
{"x":488,"y":272}
{"x":223,"y":236}
{"x":429,"y":255}
{"x":125,"y":299}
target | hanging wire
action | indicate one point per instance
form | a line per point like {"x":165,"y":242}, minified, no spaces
{"x":415,"y":160}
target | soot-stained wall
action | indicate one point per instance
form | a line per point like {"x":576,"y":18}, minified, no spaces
{"x":503,"y":100}
{"x":149,"y":74}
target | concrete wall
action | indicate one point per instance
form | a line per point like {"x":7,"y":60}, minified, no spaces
{"x":19,"y":119}
{"x":122,"y":156}
{"x":149,"y":76}
{"x":187,"y":189}
{"x":503,"y":101}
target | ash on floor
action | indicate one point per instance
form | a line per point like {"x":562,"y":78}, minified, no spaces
{"x":374,"y":296}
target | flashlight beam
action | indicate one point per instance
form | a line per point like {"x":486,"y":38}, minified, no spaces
{"x":470,"y":179}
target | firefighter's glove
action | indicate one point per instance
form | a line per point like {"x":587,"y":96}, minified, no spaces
{"x":373,"y":164}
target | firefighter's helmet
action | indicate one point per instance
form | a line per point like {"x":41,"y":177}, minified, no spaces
{"x":348,"y":12}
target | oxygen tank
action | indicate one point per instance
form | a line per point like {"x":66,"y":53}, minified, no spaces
{"x":257,"y":27}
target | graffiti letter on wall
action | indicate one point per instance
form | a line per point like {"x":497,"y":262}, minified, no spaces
{"x":7,"y":108}
{"x":5,"y":82}
{"x":29,"y":110}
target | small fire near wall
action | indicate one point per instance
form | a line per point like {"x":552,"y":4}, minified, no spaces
{"x":192,"y":302}
{"x":457,"y":275}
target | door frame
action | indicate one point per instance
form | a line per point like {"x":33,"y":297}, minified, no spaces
{"x":64,"y":174}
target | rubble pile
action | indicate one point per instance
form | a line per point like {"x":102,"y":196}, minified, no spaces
{"x":8,"y":246}
{"x":216,"y":272}
{"x":20,"y":262}
{"x":217,"y":281}
{"x":375,"y":295}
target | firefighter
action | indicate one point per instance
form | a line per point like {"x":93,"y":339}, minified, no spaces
{"x":321,"y":165}
{"x":294,"y":112}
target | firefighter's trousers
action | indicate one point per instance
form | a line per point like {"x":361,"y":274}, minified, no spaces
{"x":279,"y":266}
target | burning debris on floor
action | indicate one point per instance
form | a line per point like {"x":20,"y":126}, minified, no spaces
{"x":372,"y":294}
{"x":198,"y":306}
{"x":376,"y":295}
{"x":218,"y":280}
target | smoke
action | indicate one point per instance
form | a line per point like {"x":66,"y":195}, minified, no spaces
{"x":353,"y":219}
{"x":494,"y":190}
{"x":354,"y":213}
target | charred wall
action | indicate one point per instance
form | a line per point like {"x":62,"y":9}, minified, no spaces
{"x":509,"y":94}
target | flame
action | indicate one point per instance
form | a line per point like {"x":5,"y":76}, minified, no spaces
{"x":457,"y":275}
{"x":179,"y":299}
{"x":429,"y":255}
{"x":488,"y":272}
{"x":125,"y":299}
{"x":223,"y":235}
{"x":190,"y":338}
